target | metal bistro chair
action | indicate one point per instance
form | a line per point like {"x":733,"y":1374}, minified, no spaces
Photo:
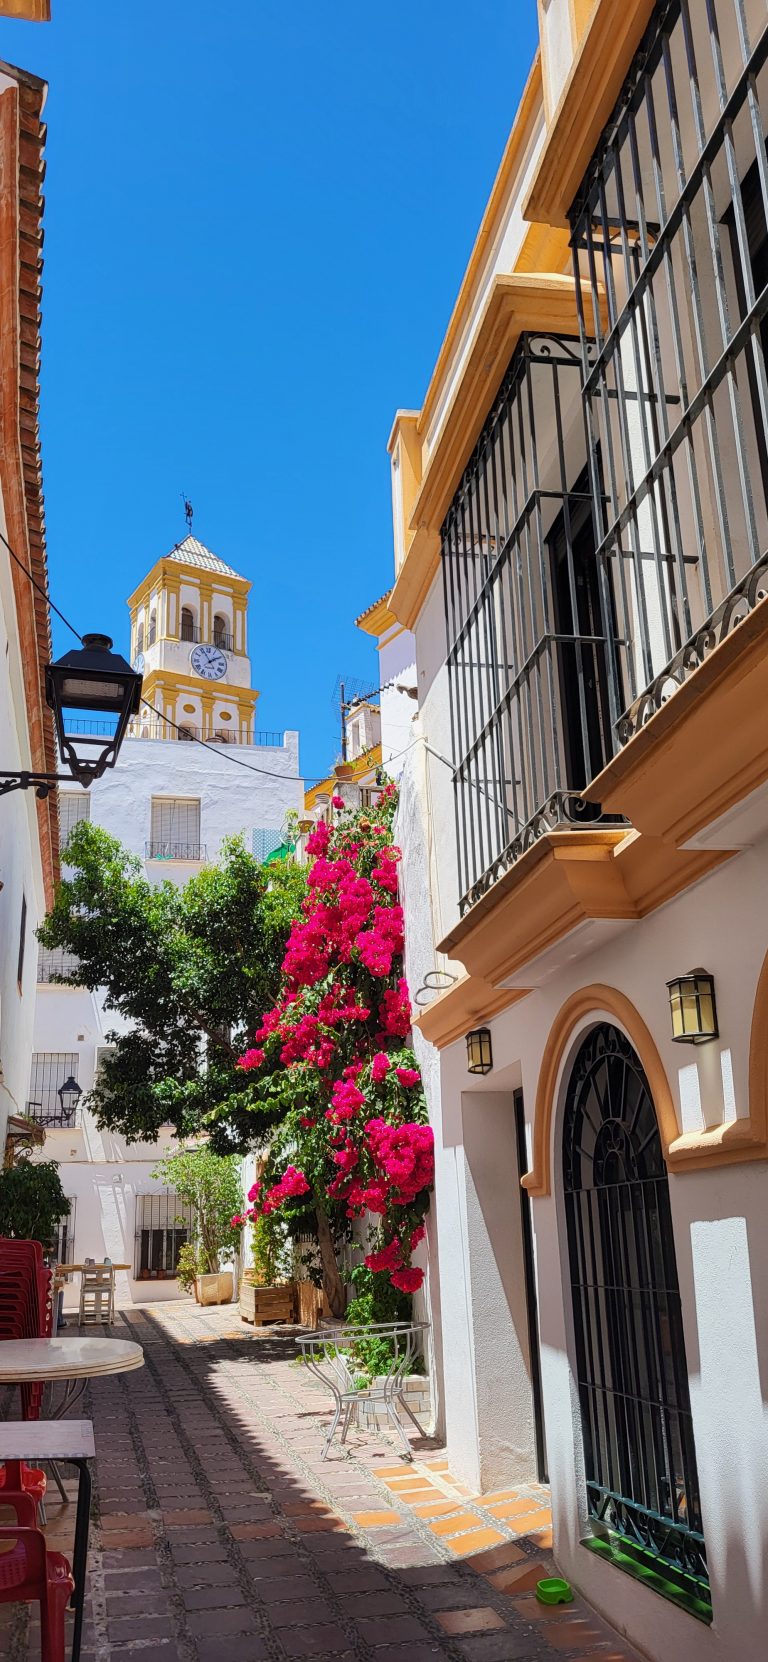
{"x":97,"y":1294}
{"x":330,"y":1354}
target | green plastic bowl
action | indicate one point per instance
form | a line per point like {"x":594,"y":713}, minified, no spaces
{"x":554,"y":1591}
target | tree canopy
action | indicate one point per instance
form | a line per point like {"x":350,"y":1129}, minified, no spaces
{"x":186,"y":969}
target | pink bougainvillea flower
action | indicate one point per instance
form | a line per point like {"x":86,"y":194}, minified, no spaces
{"x":338,"y":802}
{"x":417,"y":1236}
{"x":254,"y":1192}
{"x":408,"y":1076}
{"x":379,"y":1067}
{"x":386,"y":1258}
{"x":407,"y":1280}
{"x":237,"y":1221}
{"x":306,"y":1122}
{"x":251,"y":1059}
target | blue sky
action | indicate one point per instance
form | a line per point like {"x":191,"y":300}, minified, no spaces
{"x":257,"y":217}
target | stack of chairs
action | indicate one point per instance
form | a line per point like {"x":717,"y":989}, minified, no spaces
{"x":26,"y":1312}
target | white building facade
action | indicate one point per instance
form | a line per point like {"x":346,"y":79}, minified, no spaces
{"x":581,"y":535}
{"x":184,"y":782}
{"x":28,"y":823}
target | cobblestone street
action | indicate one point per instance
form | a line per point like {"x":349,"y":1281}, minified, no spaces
{"x":220,"y":1532}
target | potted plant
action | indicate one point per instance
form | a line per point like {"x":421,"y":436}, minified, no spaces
{"x":210,"y":1185}
{"x":32,"y":1201}
{"x":267,"y":1291}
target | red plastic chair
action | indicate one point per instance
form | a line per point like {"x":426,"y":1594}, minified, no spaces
{"x":29,"y":1574}
{"x":26,"y":1312}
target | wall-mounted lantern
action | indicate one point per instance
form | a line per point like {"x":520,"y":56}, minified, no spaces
{"x":98,"y":683}
{"x":693,"y":1009}
{"x":479,"y":1052}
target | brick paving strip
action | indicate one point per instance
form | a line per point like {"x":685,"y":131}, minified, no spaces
{"x":221,"y":1536}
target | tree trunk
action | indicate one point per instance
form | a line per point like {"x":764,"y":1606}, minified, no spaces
{"x":333,"y":1286}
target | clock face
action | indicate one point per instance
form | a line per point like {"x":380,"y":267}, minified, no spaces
{"x":138,"y":663}
{"x":209,"y":662}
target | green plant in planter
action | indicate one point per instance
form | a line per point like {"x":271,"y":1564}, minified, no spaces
{"x":271,"y":1249}
{"x":32,"y":1201}
{"x":188,"y":1267}
{"x":210,"y":1185}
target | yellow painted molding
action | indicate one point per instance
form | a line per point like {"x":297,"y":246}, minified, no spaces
{"x":611,"y":35}
{"x":730,"y":1143}
{"x":471,"y":1002}
{"x":704,"y":750}
{"x":564,"y":879}
{"x":30,"y":11}
{"x":377,"y":618}
{"x":518,"y":303}
{"x":530,"y":103}
{"x":596,"y":999}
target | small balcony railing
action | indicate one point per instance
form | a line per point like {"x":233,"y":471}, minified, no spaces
{"x":189,"y":733}
{"x":192,"y":633}
{"x":162,"y":850}
{"x":53,"y":1116}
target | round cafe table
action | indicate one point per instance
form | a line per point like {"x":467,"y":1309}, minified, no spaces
{"x":70,"y":1362}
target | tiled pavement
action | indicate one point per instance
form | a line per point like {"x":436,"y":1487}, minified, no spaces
{"x":220,"y":1535}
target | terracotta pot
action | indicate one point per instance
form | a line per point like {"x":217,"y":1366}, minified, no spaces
{"x":215,"y":1289}
{"x":344,"y":770}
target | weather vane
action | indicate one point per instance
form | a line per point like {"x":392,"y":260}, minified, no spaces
{"x":188,"y":510}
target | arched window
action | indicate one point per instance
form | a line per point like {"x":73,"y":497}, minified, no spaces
{"x":220,"y":635}
{"x":140,"y":637}
{"x":152,"y":637}
{"x":639,"y":1454}
{"x":187,"y":623}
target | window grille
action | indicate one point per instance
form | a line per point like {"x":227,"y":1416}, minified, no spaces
{"x":632,"y":1376}
{"x":55,"y":961}
{"x":164,"y":1224}
{"x":670,"y":233}
{"x":265,"y":842}
{"x":50,"y":1070}
{"x":65,"y":1236}
{"x":527,"y":661}
{"x":175,"y":829}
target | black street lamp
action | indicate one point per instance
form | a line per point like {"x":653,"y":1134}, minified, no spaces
{"x":95,"y":682}
{"x":69,"y":1095}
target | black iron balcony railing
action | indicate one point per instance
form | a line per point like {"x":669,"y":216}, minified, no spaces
{"x":670,"y":233}
{"x":527,"y":652}
{"x":163,"y":850}
{"x":52,"y":1115}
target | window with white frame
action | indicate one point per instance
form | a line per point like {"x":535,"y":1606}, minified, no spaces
{"x":175,"y":829}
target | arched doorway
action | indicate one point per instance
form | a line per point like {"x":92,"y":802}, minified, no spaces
{"x":639,"y":1454}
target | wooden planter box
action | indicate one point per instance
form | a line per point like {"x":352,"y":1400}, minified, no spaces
{"x":267,"y":1304}
{"x":214,"y":1289}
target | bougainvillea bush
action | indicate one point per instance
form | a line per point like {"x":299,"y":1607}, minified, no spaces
{"x":353,"y":1142}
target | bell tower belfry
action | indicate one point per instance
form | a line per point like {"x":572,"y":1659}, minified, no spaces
{"x":189,"y":638}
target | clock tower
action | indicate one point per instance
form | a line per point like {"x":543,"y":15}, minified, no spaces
{"x":189,"y":639}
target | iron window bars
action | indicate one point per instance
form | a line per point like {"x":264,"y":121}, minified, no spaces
{"x":671,"y":229}
{"x":632,"y":1376}
{"x":164,"y":1224}
{"x":527,"y":659}
{"x":50,"y":1070}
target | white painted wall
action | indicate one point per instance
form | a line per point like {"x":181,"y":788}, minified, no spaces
{"x":21,"y":874}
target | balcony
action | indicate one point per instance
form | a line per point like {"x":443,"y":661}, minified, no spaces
{"x":673,"y":218}
{"x":194,"y":853}
{"x":52,"y":1116}
{"x":605,"y":557}
{"x":190,"y":734}
{"x":191,"y":632}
